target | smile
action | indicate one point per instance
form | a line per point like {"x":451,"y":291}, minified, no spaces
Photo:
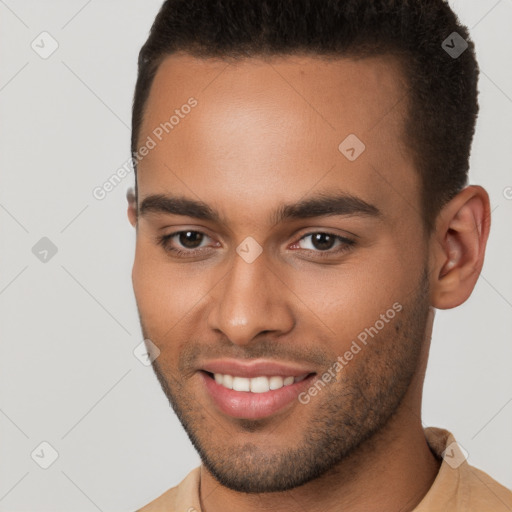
{"x":255,"y":397}
{"x":261,"y":384}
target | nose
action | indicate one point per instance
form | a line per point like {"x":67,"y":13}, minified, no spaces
{"x":251,"y":300}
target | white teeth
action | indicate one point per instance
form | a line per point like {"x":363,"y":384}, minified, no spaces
{"x":288,"y":381}
{"x":276,"y":382}
{"x":241,"y":384}
{"x":256,"y":384}
{"x":227,"y":381}
{"x":259,"y":384}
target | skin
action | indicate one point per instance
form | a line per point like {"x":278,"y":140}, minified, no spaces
{"x":266,"y":133}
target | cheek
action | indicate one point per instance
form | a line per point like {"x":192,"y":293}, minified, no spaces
{"x":164,"y":294}
{"x":152,"y":288}
{"x":354,"y":298}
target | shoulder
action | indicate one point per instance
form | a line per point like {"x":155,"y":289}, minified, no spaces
{"x":184,"y":496}
{"x":166,"y":501}
{"x":485,"y":493}
{"x":458,"y":485}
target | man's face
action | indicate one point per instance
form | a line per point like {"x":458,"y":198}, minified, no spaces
{"x":263,"y":135}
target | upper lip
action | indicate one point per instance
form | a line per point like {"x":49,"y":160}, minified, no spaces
{"x":256,"y":368}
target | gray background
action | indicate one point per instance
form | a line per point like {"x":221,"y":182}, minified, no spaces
{"x":69,"y":325}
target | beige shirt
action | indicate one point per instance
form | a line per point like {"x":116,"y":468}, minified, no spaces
{"x":457,"y":487}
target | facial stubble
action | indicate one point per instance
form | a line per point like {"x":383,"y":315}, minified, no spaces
{"x":345,"y":416}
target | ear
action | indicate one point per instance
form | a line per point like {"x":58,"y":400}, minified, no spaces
{"x":132,"y":207}
{"x":457,"y":247}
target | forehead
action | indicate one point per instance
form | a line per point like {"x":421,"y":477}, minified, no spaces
{"x":273,"y":127}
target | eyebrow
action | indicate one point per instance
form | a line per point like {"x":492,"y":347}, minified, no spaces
{"x":320,"y":205}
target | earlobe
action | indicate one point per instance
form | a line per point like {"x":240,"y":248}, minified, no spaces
{"x":132,"y":207}
{"x":458,"y":247}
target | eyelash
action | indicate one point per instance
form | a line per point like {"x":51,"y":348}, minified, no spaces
{"x":347,"y":244}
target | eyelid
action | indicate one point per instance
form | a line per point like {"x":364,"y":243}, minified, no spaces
{"x":346,"y":243}
{"x":163,"y":239}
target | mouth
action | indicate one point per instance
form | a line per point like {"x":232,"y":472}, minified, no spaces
{"x":255,"y":397}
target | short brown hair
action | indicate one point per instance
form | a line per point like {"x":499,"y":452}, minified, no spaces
{"x":443,"y":88}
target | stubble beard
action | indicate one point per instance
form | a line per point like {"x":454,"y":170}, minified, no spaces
{"x":344,"y":416}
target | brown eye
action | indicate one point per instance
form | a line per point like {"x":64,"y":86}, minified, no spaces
{"x":325,"y":244}
{"x":190,"y":239}
{"x":183,"y":243}
{"x":322,"y":241}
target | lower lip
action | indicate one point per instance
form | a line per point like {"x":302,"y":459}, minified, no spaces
{"x":252,"y":406}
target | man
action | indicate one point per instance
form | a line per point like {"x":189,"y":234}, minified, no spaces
{"x":301,"y":207}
